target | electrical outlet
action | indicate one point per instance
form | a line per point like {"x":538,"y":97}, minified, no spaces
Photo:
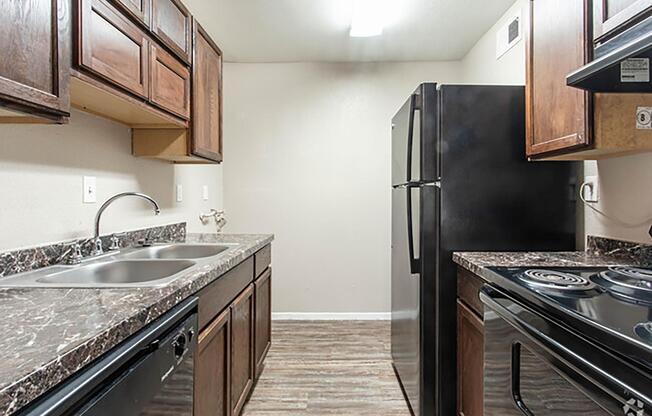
{"x":205,"y":192}
{"x":591,"y":189}
{"x":89,"y":189}
{"x":179,"y":193}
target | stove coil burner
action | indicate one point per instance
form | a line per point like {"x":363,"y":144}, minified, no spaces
{"x":551,"y":279}
{"x":632,"y":282}
{"x":644,"y":330}
{"x":642,"y":277}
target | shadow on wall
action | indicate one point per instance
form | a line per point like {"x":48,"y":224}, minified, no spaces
{"x":89,"y":145}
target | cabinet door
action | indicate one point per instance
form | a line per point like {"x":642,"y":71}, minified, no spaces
{"x":206,"y":133}
{"x":112,"y":47}
{"x":139,"y":9}
{"x":242,"y":337}
{"x":212,"y":368}
{"x":171,"y":23}
{"x":613,"y":16}
{"x":558,"y":117}
{"x":263,"y":321}
{"x":169,"y":82}
{"x":470,"y":362}
{"x":35,"y":64}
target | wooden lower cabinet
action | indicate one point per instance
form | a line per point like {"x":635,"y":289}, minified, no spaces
{"x":242,"y":338}
{"x":235,"y":317}
{"x":212,"y":366}
{"x":470,"y":362}
{"x":263,"y":319}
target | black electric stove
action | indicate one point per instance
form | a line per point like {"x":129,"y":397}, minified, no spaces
{"x":611,"y":305}
{"x":593,"y":326}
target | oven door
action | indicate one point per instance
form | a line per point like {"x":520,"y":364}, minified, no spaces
{"x":535,"y":367}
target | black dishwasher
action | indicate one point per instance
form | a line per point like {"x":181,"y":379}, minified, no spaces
{"x":149,"y":374}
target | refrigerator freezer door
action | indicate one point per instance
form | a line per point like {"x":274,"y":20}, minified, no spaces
{"x":406,"y":292}
{"x":415,"y":138}
{"x":406,"y":143}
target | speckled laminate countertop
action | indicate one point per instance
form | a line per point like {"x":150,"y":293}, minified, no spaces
{"x":477,"y":261}
{"x":600,"y":252}
{"x":48,"y":334}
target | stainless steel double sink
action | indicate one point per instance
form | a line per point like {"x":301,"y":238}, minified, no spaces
{"x":138,"y":267}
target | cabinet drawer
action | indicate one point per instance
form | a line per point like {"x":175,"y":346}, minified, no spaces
{"x":468,"y":290}
{"x":169,"y":82}
{"x":219,"y":294}
{"x":263,"y":259}
{"x":171,"y":23}
{"x":112,"y":47}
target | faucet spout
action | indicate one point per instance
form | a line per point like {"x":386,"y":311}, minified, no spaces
{"x":105,"y":205}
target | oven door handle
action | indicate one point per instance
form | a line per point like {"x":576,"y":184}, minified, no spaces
{"x":575,"y":366}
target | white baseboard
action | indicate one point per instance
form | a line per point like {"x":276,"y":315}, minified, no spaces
{"x":331,"y":316}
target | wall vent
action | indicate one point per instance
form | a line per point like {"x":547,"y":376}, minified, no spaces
{"x":509,"y":34}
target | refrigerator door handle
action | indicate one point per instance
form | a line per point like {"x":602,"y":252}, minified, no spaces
{"x":415,"y":263}
{"x":410,"y":138}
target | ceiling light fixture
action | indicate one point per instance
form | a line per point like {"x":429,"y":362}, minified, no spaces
{"x":367,"y":18}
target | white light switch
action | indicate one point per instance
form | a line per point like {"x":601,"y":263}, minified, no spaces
{"x":205,"y":192}
{"x":591,"y":190}
{"x":89,"y":186}
{"x":179,"y":193}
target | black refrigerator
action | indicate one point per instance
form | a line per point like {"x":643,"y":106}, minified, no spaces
{"x":461,"y":182}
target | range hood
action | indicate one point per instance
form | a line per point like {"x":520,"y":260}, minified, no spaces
{"x":621,"y":64}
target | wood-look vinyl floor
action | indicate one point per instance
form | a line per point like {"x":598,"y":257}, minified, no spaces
{"x":328,"y":368}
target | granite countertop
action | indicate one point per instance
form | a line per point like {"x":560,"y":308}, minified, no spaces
{"x":49,"y":334}
{"x":600,"y":252}
{"x":476,"y":261}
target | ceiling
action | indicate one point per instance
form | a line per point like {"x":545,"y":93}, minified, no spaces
{"x":318,"y":30}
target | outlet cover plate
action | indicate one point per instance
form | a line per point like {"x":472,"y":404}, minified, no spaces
{"x":591,"y":189}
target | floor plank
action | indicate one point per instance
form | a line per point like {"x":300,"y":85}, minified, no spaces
{"x":328,"y":368}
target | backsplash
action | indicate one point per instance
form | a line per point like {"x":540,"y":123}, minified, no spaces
{"x":32,"y":258}
{"x":626,"y":250}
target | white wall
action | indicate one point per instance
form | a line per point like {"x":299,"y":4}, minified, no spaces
{"x":41,"y":169}
{"x":307,"y":157}
{"x":625,"y":195}
{"x":480,"y":65}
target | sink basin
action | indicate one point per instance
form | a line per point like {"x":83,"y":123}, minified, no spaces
{"x":179,"y":251}
{"x":118,"y":273}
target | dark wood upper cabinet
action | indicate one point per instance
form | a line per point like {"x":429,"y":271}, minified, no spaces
{"x":263,"y":319}
{"x":35,"y":41}
{"x":172,"y":24}
{"x":169,"y":82}
{"x":558,"y":117}
{"x":242,"y":337}
{"x":206,"y":124}
{"x":138,"y":9}
{"x":470,"y":362}
{"x":612,"y":16}
{"x":212,"y":366}
{"x":112,"y":47}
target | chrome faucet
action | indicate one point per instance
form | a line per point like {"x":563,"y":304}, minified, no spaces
{"x":97,"y":242}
